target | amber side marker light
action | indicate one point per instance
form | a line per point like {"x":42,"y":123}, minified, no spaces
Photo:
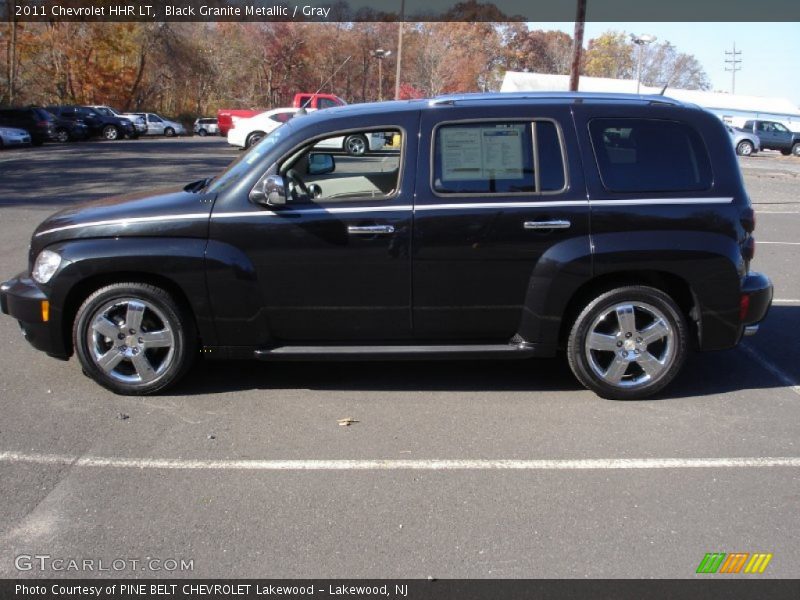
{"x":45,"y":310}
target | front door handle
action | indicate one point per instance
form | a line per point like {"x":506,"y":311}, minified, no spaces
{"x":558,"y":224}
{"x":370,"y":229}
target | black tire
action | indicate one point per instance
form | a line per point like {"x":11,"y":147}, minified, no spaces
{"x":254,"y":138}
{"x":745,"y":148}
{"x":635,"y":382}
{"x":202,"y":133}
{"x":796,"y":149}
{"x":356,"y":145}
{"x":169,"y":132}
{"x":158,"y":352}
{"x":111,"y":132}
{"x":62,"y":135}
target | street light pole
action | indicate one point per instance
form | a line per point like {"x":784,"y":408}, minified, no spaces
{"x":380,"y":54}
{"x":399,"y":49}
{"x":641,"y":41}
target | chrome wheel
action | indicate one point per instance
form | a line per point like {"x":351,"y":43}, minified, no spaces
{"x":355,"y":145}
{"x":62,"y":136}
{"x":110,"y":132}
{"x":630,"y":345}
{"x":745,"y":148}
{"x":131,"y":341}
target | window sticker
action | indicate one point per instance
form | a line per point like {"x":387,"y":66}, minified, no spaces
{"x":491,"y":152}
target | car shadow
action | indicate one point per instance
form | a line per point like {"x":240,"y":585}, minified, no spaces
{"x":705,"y":373}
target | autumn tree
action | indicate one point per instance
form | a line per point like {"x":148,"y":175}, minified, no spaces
{"x":610,"y":55}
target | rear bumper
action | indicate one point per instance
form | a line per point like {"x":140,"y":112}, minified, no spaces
{"x":756,"y":300}
{"x":21,"y":298}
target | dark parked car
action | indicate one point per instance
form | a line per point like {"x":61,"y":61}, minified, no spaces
{"x":35,"y":120}
{"x":68,"y":130}
{"x":613,"y":227}
{"x":109,"y":127}
{"x":774,"y":136}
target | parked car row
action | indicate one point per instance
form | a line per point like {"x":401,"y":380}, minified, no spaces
{"x":63,"y":123}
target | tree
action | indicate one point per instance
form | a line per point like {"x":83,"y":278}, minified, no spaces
{"x":610,"y":55}
{"x":664,"y":65}
{"x":537,"y":51}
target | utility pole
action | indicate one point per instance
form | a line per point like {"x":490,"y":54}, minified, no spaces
{"x":399,"y":49}
{"x":580,"y":19}
{"x":734,"y":61}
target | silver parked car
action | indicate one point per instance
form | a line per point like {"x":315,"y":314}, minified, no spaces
{"x":12,"y":136}
{"x":157,"y":125}
{"x":204,"y":127}
{"x":745,"y":143}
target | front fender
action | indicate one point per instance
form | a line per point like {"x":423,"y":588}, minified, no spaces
{"x":178,"y":263}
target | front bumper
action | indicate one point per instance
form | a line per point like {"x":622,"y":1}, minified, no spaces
{"x":21,"y":298}
{"x":757,"y":288}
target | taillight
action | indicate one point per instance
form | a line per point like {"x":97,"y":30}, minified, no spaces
{"x":744,"y":306}
{"x":43,"y":123}
{"x":748,"y":220}
{"x":749,"y":248}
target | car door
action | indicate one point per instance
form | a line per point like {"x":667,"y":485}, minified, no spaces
{"x":783,"y":136}
{"x":330,"y":269}
{"x":498,"y":201}
{"x":155,"y":126}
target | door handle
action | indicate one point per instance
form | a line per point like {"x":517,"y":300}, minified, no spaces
{"x":370,"y":229}
{"x":558,"y":224}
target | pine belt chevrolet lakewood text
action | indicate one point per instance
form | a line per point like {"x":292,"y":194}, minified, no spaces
{"x":616,"y":228}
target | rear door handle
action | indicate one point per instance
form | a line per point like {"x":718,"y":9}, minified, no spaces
{"x":558,"y":224}
{"x":370,"y":229}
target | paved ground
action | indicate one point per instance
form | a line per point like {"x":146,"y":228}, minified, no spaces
{"x":165,"y":482}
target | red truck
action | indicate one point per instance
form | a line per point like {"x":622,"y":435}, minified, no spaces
{"x":302,"y":100}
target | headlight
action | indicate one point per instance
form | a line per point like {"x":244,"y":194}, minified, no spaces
{"x":46,"y":265}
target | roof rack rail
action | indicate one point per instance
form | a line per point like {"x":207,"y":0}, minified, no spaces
{"x":453,"y":99}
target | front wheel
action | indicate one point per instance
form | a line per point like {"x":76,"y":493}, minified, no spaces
{"x":133,"y":338}
{"x":110,"y":132}
{"x":745,"y":148}
{"x":202,"y":133}
{"x":628,"y":343}
{"x":62,"y":135}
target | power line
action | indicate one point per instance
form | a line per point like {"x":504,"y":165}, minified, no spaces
{"x":732,"y":59}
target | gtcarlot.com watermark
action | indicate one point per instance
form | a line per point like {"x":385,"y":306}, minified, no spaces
{"x":45,"y":563}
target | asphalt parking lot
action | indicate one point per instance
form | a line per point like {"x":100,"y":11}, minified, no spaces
{"x":458,"y":469}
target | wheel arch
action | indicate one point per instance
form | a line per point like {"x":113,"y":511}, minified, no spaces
{"x":81,"y":290}
{"x":671,"y":284}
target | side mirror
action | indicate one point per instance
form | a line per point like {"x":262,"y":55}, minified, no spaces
{"x":271,"y":191}
{"x":320,"y":164}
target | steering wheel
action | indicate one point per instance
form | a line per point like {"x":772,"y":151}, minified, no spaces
{"x":295,"y":184}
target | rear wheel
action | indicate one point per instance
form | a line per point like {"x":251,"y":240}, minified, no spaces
{"x":62,"y":135}
{"x":202,"y":133}
{"x":796,"y":149}
{"x":628,"y":343}
{"x":254,"y":138}
{"x":133,"y":338}
{"x":745,"y":148}
{"x":355,"y":145}
{"x":169,"y":132}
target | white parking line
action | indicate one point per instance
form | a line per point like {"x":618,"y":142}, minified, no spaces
{"x":759,"y":242}
{"x":401,"y":465}
{"x":786,"y":300}
{"x":762,"y":360}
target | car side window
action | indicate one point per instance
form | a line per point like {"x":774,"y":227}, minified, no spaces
{"x":326,"y":103}
{"x":349,"y":167}
{"x":649,"y":155}
{"x":498,"y":158}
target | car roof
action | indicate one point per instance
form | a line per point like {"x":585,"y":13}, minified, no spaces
{"x":496,"y":99}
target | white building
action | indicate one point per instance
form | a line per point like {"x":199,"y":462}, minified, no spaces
{"x":732,"y":108}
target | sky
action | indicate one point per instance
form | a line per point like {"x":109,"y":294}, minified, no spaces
{"x":770,"y":64}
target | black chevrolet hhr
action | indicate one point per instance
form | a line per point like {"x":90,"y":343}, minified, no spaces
{"x":615,"y":228}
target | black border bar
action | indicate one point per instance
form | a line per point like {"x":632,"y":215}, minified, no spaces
{"x":617,"y":11}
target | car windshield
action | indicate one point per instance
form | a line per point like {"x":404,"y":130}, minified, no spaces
{"x":241,"y":165}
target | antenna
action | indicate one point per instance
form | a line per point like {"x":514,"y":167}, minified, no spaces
{"x":734,"y":61}
{"x":324,"y":83}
